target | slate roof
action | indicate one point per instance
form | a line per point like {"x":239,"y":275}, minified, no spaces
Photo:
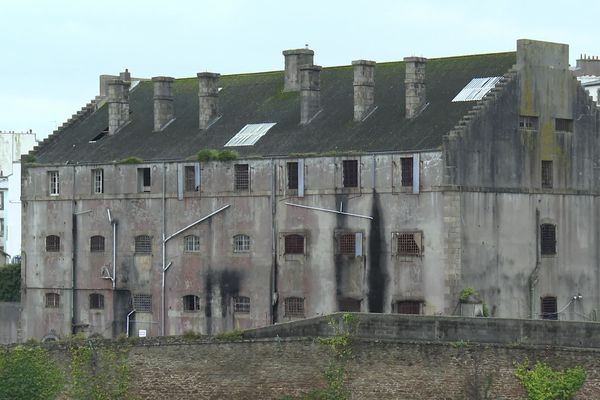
{"x":258,"y":98}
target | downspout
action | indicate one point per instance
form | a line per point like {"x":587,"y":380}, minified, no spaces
{"x":113,"y":222}
{"x":128,"y":315}
{"x":73,"y":258}
{"x":164,"y":247}
{"x":533,"y":278}
{"x":273,"y":283}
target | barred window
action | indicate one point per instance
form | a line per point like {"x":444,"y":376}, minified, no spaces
{"x":349,"y":305}
{"x":294,"y":307}
{"x":242,"y":177}
{"x":191,"y":243}
{"x":547,"y":174}
{"x":562,"y":124}
{"x":143,"y":244}
{"x":407,"y":244}
{"x":406,"y":164}
{"x":142,"y":302}
{"x":347,"y":243}
{"x":53,"y":183}
{"x":96,"y":301}
{"x":292,"y":173}
{"x":548,"y":239}
{"x":52,"y":243}
{"x":241,"y":243}
{"x":294,"y":244}
{"x":52,"y":300}
{"x":190,"y":179}
{"x":1,"y":200}
{"x":241,"y":304}
{"x":350,"y":173}
{"x":549,"y":308}
{"x":1,"y":227}
{"x":528,"y":122}
{"x":191,"y":303}
{"x":97,"y":243}
{"x":408,"y":307}
{"x":98,"y":181}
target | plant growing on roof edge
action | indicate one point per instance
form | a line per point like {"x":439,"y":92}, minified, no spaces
{"x":130,"y":160}
{"x":228,"y":155}
{"x":215,"y":155}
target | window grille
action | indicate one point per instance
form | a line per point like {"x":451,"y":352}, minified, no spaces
{"x":546,"y":174}
{"x":143,"y":244}
{"x":548,"y":239}
{"x":349,"y":305}
{"x":52,"y":243}
{"x":191,"y":303}
{"x":294,"y":307}
{"x":549,"y":308}
{"x":241,"y":304}
{"x":406,"y":163}
{"x":564,"y":125}
{"x":350,"y":173}
{"x":528,"y":122}
{"x":408,"y":307}
{"x":96,"y":301}
{"x":294,"y":244}
{"x":241,"y":243}
{"x":292,"y":172}
{"x":142,"y":302}
{"x":242,"y":178}
{"x":1,"y":227}
{"x":97,"y":243}
{"x":53,"y":182}
{"x":190,"y":179}
{"x":98,"y":180}
{"x":347,"y":243}
{"x":191,"y":243}
{"x":1,"y":200}
{"x":407,"y":244}
{"x":52,"y":300}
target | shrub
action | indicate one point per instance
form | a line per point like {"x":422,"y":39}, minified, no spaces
{"x":227,"y":155}
{"x":130,"y":160}
{"x":208,"y":155}
{"x":10,"y":282}
{"x":543,"y":383}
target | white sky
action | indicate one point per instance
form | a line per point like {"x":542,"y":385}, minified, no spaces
{"x":52,"y":51}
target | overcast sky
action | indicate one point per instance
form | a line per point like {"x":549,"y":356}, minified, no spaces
{"x":52,"y":52}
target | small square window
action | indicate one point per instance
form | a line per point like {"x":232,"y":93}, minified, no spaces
{"x":142,"y":302}
{"x":97,"y":243}
{"x":54,"y":183}
{"x":547,"y":178}
{"x":190,"y":179}
{"x":347,"y":243}
{"x":292,"y":173}
{"x":563,"y":125}
{"x":144,"y":180}
{"x":528,"y":122}
{"x":242,"y":177}
{"x":294,"y":307}
{"x":408,"y":243}
{"x":406,"y":163}
{"x":191,"y":243}
{"x":143,"y":244}
{"x":98,"y":181}
{"x":548,"y":239}
{"x":52,"y":243}
{"x":52,"y":300}
{"x":294,"y":244}
{"x":549,"y":308}
{"x":191,"y":303}
{"x":241,"y":243}
{"x":241,"y":304}
{"x":350,"y":173}
{"x":96,"y":301}
{"x":408,"y":307}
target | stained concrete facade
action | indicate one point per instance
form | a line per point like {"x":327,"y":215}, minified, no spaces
{"x":472,"y":212}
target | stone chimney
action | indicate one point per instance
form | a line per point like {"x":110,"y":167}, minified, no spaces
{"x":164,"y":112}
{"x":310,"y":92}
{"x":587,"y":65}
{"x":118,"y":105}
{"x":364,"y":88}
{"x":208,"y":98}
{"x":293,"y":60}
{"x":414,"y":84}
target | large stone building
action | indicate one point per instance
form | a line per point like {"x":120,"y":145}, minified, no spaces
{"x":372,"y":187}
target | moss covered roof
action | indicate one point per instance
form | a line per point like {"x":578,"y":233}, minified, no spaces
{"x":258,"y":98}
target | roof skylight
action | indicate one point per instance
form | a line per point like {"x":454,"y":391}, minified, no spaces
{"x":250,"y":134}
{"x":476,"y":89}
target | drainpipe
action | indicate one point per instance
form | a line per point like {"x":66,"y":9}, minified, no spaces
{"x":533,"y":278}
{"x":128,"y":315}
{"x":164,"y":247}
{"x":273,"y":283}
{"x":113,"y":222}
{"x":73,"y":258}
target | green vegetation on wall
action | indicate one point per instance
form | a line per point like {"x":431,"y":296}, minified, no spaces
{"x":29,"y":373}
{"x":543,"y":383}
{"x":10,"y":282}
{"x":215,"y":155}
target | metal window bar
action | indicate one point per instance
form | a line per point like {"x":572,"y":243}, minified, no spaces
{"x":54,"y":183}
{"x":294,"y":244}
{"x":292,"y":172}
{"x":191,"y":303}
{"x":98,"y":181}
{"x":548,"y":239}
{"x":347,"y":243}
{"x":143,"y":244}
{"x":547,"y":177}
{"x":294,"y":307}
{"x":142,"y":302}
{"x":241,"y":304}
{"x":191,"y":243}
{"x":528,"y":122}
{"x":97,"y":243}
{"x":564,"y":125}
{"x":406,"y":164}
{"x":241,"y":243}
{"x":549,"y":308}
{"x":242,"y":178}
{"x":350,"y":173}
{"x":407,"y":245}
{"x":408,"y":307}
{"x":52,"y":300}
{"x":52,"y":243}
{"x":190,"y":179}
{"x":96,"y":301}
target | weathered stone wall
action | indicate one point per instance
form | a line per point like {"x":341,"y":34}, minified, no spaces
{"x":10,"y":328}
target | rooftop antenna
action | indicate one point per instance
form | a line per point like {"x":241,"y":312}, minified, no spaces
{"x":306,"y":45}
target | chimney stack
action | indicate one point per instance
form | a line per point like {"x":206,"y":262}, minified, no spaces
{"x":364,"y":88}
{"x":414,"y":84}
{"x":208,"y":98}
{"x":310,"y":92}
{"x":164,"y":111}
{"x":293,"y":60}
{"x":118,"y":105}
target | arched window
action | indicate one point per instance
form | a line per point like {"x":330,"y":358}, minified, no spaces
{"x":96,"y":301}
{"x":191,"y":303}
{"x":294,"y":307}
{"x":191,"y":243}
{"x":52,"y":243}
{"x":294,"y":244}
{"x":143,"y":244}
{"x":52,"y":300}
{"x":97,"y":243}
{"x":241,"y":304}
{"x":241,"y":243}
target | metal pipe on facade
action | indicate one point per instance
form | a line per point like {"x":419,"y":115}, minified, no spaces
{"x":128,"y":315}
{"x":327,"y":210}
{"x":164,"y":244}
{"x":113,"y":222}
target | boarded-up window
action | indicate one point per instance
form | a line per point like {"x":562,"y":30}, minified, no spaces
{"x":142,"y":302}
{"x":408,"y":307}
{"x":350,"y":173}
{"x":96,"y":301}
{"x":549,"y":308}
{"x":548,"y":239}
{"x":242,"y":177}
{"x":97,"y":243}
{"x":52,"y":300}
{"x":547,"y":174}
{"x":143,"y":244}
{"x":406,"y":164}
{"x":294,"y":244}
{"x":52,"y":243}
{"x":294,"y":307}
{"x":241,"y":304}
{"x":191,"y":303}
{"x":292,"y":173}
